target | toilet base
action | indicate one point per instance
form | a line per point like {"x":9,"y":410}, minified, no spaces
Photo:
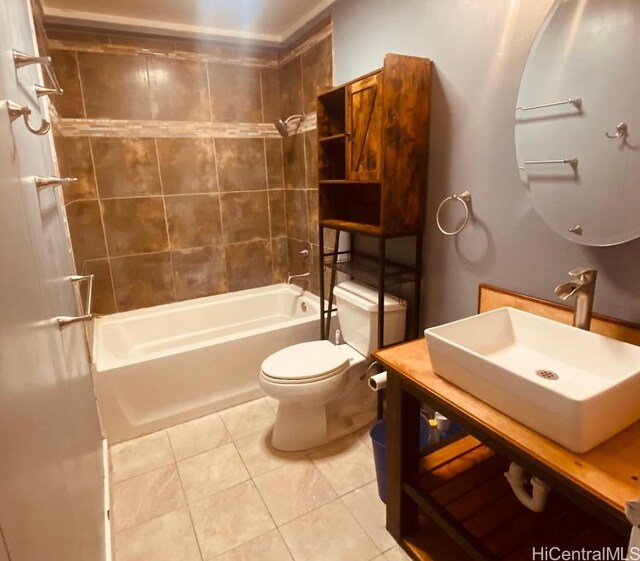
{"x":301,"y":427}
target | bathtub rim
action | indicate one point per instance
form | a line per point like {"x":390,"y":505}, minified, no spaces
{"x":152,"y":311}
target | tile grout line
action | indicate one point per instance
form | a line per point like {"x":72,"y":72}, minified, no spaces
{"x":266,"y":177}
{"x":284,"y":541}
{"x":3,"y":543}
{"x":170,"y":195}
{"x":84,"y":104}
{"x":166,"y":222}
{"x":271,"y":238}
{"x":129,"y":255}
{"x":246,"y":467}
{"x":358,"y":521}
{"x":184,"y":492}
{"x":156,"y":468}
{"x":252,"y":479}
{"x":224,"y":245}
{"x":209,"y":96}
{"x":261,"y":95}
{"x":104,"y":228}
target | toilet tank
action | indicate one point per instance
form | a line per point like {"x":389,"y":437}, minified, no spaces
{"x":358,"y":313}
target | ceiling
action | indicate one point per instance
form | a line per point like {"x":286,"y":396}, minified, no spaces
{"x":270,"y":22}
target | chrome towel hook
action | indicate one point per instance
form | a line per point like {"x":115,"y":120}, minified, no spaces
{"x":621,"y":131}
{"x":53,"y":181}
{"x":16,"y":111}
{"x":465,"y":199}
{"x":21,"y":59}
{"x":63,"y":321}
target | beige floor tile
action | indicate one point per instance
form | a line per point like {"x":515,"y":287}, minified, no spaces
{"x":230,"y":518}
{"x":141,"y":455}
{"x":347,"y":464}
{"x":146,"y":496}
{"x":197,"y":436}
{"x":247,"y":418}
{"x":272,"y":402}
{"x":167,"y":538}
{"x":268,"y":547}
{"x":394,"y":554}
{"x":328,"y":533}
{"x":363,"y":435}
{"x":212,"y":471}
{"x":293,"y":490}
{"x":259,"y":456}
{"x":365,"y":504}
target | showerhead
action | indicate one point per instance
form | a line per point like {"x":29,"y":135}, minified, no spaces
{"x":281,"y":125}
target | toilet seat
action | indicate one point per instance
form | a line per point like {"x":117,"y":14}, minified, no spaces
{"x":305,"y":363}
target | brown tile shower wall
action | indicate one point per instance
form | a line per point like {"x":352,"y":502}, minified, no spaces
{"x":304,"y":67}
{"x":179,"y":195}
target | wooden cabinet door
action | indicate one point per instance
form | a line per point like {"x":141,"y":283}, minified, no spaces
{"x":364,"y":129}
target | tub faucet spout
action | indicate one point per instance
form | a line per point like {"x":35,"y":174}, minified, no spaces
{"x":583,"y":288}
{"x":291,"y":278}
{"x":305,"y":258}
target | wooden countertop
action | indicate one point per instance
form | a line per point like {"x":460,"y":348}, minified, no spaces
{"x":609,"y":472}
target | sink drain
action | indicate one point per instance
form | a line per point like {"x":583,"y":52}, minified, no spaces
{"x":547,"y":374}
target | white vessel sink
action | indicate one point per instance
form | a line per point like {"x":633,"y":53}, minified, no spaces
{"x":575,"y":387}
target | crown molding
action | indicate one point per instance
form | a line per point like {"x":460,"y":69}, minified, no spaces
{"x":157,"y":27}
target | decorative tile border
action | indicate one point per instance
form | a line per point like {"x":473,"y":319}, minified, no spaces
{"x":309,"y":123}
{"x":160,"y":129}
{"x":104,"y":48}
{"x":226,"y":55}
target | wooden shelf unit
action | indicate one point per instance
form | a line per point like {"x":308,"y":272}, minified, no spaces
{"x":373,"y":139}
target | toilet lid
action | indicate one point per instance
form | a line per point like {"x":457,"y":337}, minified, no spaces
{"x":305,"y":362}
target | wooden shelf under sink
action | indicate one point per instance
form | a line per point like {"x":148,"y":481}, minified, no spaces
{"x":462,"y":487}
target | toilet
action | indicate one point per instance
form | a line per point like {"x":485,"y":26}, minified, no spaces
{"x":321,"y":388}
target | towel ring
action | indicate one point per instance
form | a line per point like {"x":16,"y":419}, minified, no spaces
{"x":465,"y":199}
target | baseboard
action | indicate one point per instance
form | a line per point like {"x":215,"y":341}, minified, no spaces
{"x":108,"y":547}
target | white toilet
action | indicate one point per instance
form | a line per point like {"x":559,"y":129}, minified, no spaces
{"x":319,"y":386}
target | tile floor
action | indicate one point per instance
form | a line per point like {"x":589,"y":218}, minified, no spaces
{"x":214,"y":489}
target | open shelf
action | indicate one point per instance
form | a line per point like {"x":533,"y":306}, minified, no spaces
{"x":348,"y":182}
{"x":365,"y":268}
{"x":332,"y":163}
{"x":351,"y":202}
{"x":331,"y":116}
{"x":332,"y":138}
{"x":462,"y":489}
{"x":429,"y":543}
{"x":349,"y":226}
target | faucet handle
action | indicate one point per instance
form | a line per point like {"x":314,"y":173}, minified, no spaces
{"x":586,"y":274}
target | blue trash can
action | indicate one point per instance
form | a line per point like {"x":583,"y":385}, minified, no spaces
{"x":378,"y":435}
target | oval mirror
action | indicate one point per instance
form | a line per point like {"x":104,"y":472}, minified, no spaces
{"x":577,"y":125}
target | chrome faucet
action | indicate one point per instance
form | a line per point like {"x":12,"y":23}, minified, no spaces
{"x":583,"y":288}
{"x":305,"y":257}
{"x":291,"y":278}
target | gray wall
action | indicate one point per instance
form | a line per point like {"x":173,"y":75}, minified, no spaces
{"x":479,"y":50}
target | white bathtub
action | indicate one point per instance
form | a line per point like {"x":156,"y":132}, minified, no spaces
{"x":160,"y":366}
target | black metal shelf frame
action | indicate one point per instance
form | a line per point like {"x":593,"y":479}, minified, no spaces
{"x":376,"y":272}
